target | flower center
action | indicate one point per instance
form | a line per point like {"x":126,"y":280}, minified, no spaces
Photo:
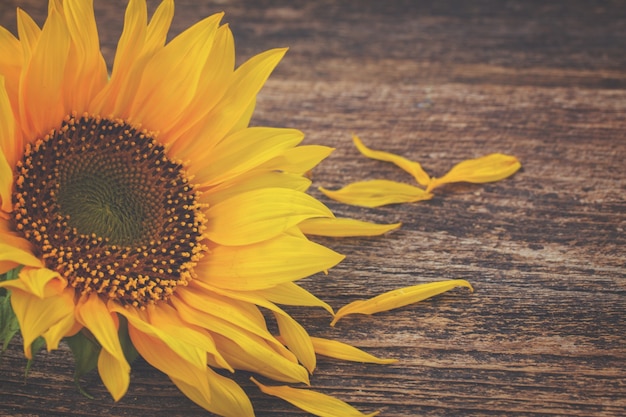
{"x":104,"y":206}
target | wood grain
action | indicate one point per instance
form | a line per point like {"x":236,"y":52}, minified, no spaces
{"x":438,"y":82}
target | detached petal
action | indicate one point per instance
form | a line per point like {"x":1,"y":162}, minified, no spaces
{"x":488,"y":168}
{"x":343,"y":351}
{"x":313,"y":402}
{"x":399,"y":298}
{"x":335,"y":227}
{"x":413,"y":168}
{"x":376,"y":193}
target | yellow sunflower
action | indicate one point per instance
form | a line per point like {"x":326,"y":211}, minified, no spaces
{"x":142,"y":212}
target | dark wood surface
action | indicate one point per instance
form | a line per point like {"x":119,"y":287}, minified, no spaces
{"x":438,"y":82}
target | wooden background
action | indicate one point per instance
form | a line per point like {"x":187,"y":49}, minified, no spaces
{"x":438,"y":82}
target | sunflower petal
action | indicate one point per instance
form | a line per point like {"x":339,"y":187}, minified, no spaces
{"x":399,"y":298}
{"x":413,"y":168}
{"x":20,"y":256}
{"x":343,"y":351}
{"x":299,"y":160}
{"x":245,"y":150}
{"x":41,"y":107}
{"x":227,"y":397}
{"x":114,"y":370}
{"x":290,"y":293}
{"x":493,"y":167}
{"x":259,"y":215}
{"x":313,"y":402}
{"x":7,"y":148}
{"x":115,"y":374}
{"x":269,"y":263}
{"x":159,"y":355}
{"x":297,"y":340}
{"x":339,"y":227}
{"x":88,"y":73}
{"x":35,"y":281}
{"x":190,"y":353}
{"x":172,"y":75}
{"x":376,"y":193}
{"x":36,"y":315}
{"x":255,"y":355}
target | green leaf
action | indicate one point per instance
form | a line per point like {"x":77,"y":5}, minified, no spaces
{"x":35,"y":347}
{"x":85,"y":350}
{"x":9,"y":325}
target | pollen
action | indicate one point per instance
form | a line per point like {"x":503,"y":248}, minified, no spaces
{"x":100,"y":198}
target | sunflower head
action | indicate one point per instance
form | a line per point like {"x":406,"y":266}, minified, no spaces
{"x":139,"y":208}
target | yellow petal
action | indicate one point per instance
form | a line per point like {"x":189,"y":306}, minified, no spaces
{"x":159,"y":355}
{"x":41,"y":86}
{"x":254,"y":180}
{"x":257,"y":356}
{"x":244,"y":84}
{"x":413,"y":168}
{"x":290,"y":293}
{"x":7,"y":150}
{"x":259,"y":215}
{"x":399,"y":298}
{"x":488,"y":168}
{"x":35,"y":281}
{"x":343,"y":351}
{"x":376,"y":193}
{"x":64,"y":327}
{"x":299,"y":160}
{"x":36,"y":316}
{"x":93,"y":313}
{"x":227,"y":398}
{"x":313,"y":402}
{"x":172,"y":74}
{"x":245,"y":150}
{"x":18,"y":255}
{"x":159,"y":26}
{"x":115,"y":374}
{"x":281,"y":259}
{"x":338,"y":227}
{"x":191,"y":354}
{"x":28,"y":33}
{"x":87,"y":74}
{"x":297,"y":340}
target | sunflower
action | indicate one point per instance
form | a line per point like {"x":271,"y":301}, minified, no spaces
{"x":141,"y":214}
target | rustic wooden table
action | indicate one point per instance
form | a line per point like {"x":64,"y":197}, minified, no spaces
{"x":544,"y":332}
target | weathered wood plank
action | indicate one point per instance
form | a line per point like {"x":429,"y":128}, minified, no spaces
{"x":438,"y":82}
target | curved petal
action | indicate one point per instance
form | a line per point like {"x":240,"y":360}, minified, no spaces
{"x":88,"y":72}
{"x":413,"y":168}
{"x":213,"y":84}
{"x":343,"y":351}
{"x":313,"y":402}
{"x":190,"y":353}
{"x":299,"y":160}
{"x":227,"y":397}
{"x":170,"y":79}
{"x":245,"y":84}
{"x":338,"y":227}
{"x":35,"y":281}
{"x":159,"y":355}
{"x":489,"y":168}
{"x":36,"y":316}
{"x":266,"y":264}
{"x":41,"y":85}
{"x":259,"y":215}
{"x":93,"y":313}
{"x":245,"y":150}
{"x":376,"y":193}
{"x":12,"y":255}
{"x":399,"y":298}
{"x":290,"y":293}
